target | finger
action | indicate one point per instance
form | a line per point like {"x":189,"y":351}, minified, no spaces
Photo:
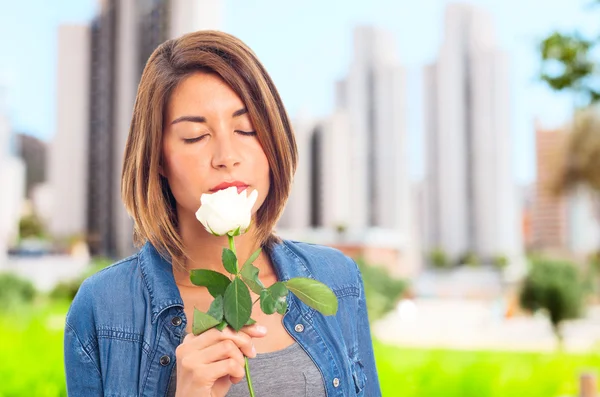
{"x":242,"y":340}
{"x":235,"y":379}
{"x":221,"y":351}
{"x":205,"y":339}
{"x":222,"y":368}
{"x":255,"y":330}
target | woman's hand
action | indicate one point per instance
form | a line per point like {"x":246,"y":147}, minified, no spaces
{"x":208,"y":364}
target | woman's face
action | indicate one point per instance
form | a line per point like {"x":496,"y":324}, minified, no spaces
{"x":209,"y":143}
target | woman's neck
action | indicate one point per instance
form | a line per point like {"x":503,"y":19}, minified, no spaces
{"x":204,"y":250}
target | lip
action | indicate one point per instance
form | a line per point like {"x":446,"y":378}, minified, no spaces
{"x":225,"y":185}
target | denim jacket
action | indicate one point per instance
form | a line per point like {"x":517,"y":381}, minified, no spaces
{"x":126,"y":321}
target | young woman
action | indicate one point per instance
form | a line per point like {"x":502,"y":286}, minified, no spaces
{"x":207,"y":116}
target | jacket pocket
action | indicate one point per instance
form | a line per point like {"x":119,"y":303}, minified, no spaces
{"x":360,"y":378}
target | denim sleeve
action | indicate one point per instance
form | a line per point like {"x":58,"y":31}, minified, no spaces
{"x":365,"y":343}
{"x":81,"y":370}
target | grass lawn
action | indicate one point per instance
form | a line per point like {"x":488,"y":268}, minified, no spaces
{"x":31,"y":348}
{"x":31,"y":365}
{"x":448,"y":373}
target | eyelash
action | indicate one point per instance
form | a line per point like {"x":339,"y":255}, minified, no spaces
{"x":194,"y":140}
{"x":246,"y":133}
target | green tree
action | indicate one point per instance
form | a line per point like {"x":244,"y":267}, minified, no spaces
{"x":569,"y":64}
{"x":556,"y":288}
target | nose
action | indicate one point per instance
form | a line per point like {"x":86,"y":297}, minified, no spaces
{"x":226,"y":154}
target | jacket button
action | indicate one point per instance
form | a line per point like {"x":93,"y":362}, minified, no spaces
{"x":299,"y":327}
{"x":336,"y":382}
{"x":165,"y":360}
{"x":176,"y":321}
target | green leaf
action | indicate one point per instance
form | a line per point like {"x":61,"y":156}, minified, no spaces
{"x":250,"y":322}
{"x":215,"y":282}
{"x":252,"y":258}
{"x":281,"y":306}
{"x":314,"y":294}
{"x":238,"y":304}
{"x":216,"y":308}
{"x":222,"y":325}
{"x":249,"y":274}
{"x":229,"y":261}
{"x":269,"y":297}
{"x":202,"y":322}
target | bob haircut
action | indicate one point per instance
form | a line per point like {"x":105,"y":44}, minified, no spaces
{"x":144,"y":191}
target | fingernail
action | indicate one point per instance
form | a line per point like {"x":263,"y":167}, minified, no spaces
{"x":262,"y":329}
{"x":253,"y":350}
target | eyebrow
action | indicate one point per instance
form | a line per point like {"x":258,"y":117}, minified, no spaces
{"x":202,"y":119}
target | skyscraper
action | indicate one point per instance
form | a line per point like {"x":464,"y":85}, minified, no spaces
{"x":12,"y":180}
{"x":68,"y":152}
{"x":352,"y":171}
{"x":322,"y":187}
{"x":372,"y":96}
{"x":471,"y":194}
{"x":33,"y":152}
{"x":549,"y":218}
{"x":122,"y":37}
{"x":561,"y":221}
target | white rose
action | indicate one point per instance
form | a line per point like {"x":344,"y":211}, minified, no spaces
{"x":226,"y":211}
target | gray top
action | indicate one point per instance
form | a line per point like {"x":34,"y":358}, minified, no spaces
{"x":288,"y":372}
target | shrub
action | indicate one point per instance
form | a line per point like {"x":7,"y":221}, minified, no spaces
{"x":15,"y":291}
{"x":30,"y":226}
{"x":438,"y":259}
{"x":555,"y":287}
{"x":500,"y":261}
{"x":381,"y":289}
{"x":66,"y":290}
{"x":469,"y":259}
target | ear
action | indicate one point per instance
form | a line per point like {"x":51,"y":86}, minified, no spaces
{"x":161,"y":171}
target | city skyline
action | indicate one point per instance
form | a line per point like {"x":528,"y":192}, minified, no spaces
{"x":517,"y":32}
{"x":354,"y":175}
{"x":471,"y":203}
{"x":100,"y":65}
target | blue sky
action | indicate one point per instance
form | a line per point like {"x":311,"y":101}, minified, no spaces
{"x":306,"y":47}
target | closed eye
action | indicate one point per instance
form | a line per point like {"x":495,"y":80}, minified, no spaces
{"x":246,"y":133}
{"x":192,"y":140}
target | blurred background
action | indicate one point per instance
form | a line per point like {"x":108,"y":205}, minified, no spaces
{"x":452,"y":149}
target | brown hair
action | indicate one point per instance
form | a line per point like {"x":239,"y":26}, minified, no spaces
{"x":145,"y":193}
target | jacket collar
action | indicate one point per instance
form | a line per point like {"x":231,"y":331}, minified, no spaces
{"x":157,"y":273}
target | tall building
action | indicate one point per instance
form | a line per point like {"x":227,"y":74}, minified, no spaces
{"x":12,"y":180}
{"x":33,"y":152}
{"x":584,"y":226}
{"x":549,"y":225}
{"x":297,"y":210}
{"x":472,"y":203}
{"x":322,"y":187}
{"x":372,"y":96}
{"x":124,"y":35}
{"x":560,"y":222}
{"x":351,"y":186}
{"x":68,"y":151}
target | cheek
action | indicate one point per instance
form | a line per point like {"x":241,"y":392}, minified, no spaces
{"x":185,"y":174}
{"x":264,"y":171}
{"x":262,"y":166}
